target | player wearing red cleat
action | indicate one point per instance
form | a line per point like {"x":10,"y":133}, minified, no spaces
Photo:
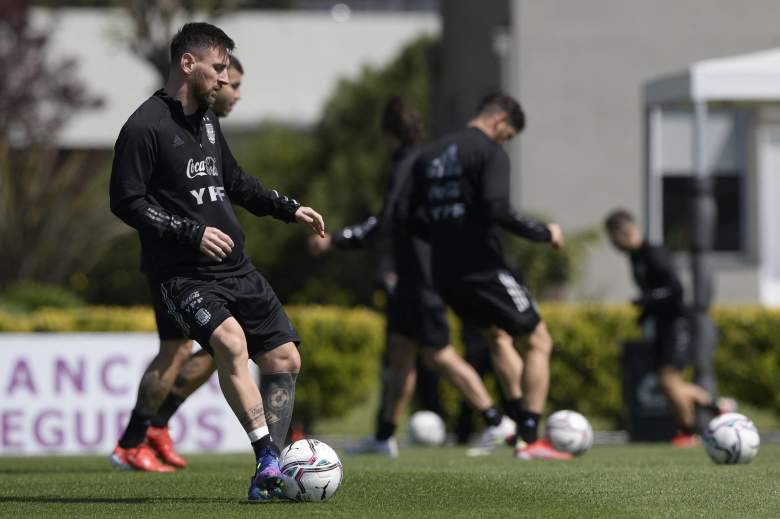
{"x":539,"y":450}
{"x":138,"y":458}
{"x":461,"y":187}
{"x":160,"y":440}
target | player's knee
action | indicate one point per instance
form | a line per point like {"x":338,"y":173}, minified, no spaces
{"x":230,"y":344}
{"x":284,"y":359}
{"x":540,"y":340}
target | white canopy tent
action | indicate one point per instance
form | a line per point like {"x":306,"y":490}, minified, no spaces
{"x":750,"y":81}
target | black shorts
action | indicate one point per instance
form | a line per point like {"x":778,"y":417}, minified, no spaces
{"x":167,"y":327}
{"x":671,"y":341}
{"x":419,"y":314}
{"x":492,"y":298}
{"x":199,"y":306}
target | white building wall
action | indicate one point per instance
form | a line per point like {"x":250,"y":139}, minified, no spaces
{"x":580,"y":67}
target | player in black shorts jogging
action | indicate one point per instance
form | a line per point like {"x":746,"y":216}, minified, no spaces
{"x":663,"y":312}
{"x":462,"y":185}
{"x":173,"y":179}
{"x":416,"y":315}
{"x":191,"y":370}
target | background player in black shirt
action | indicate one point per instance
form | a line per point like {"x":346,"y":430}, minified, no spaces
{"x":416,"y":315}
{"x":174,"y":345}
{"x":663,"y":313}
{"x":174,"y":178}
{"x":462,"y":184}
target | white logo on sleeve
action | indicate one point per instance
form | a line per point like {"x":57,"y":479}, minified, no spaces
{"x":207,"y":166}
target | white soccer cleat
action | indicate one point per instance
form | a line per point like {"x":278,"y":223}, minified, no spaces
{"x":371,"y":445}
{"x":493,"y":436}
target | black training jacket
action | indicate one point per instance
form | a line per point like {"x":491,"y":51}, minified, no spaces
{"x":661,"y":289}
{"x":172,"y":176}
{"x":461,"y":182}
{"x":411,"y":253}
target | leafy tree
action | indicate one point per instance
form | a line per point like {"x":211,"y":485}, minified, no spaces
{"x":53,"y":212}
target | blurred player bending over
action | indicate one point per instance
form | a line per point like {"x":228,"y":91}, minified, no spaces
{"x":663,"y":310}
{"x":462,"y":184}
{"x":173,"y":179}
{"x":416,"y":315}
{"x":198,"y":367}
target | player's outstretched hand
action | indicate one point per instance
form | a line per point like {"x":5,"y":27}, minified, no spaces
{"x":311,"y":217}
{"x":216,"y":244}
{"x":319,"y":244}
{"x":557,"y":240}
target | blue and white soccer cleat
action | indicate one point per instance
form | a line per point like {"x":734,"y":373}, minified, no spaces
{"x":267,"y":483}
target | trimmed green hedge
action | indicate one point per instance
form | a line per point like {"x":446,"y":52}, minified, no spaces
{"x":342,"y":347}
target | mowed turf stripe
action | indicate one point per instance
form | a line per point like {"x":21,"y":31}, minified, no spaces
{"x":625,"y":481}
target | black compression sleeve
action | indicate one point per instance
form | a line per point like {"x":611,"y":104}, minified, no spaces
{"x":131,"y":171}
{"x":495,"y":194}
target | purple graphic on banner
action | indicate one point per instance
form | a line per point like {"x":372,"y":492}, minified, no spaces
{"x":9,"y":424}
{"x":21,"y":377}
{"x":46,"y":435}
{"x":63,"y":370}
{"x":105,"y":378}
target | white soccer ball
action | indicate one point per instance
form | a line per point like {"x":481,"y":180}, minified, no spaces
{"x":311,"y":470}
{"x":569,"y":431}
{"x":731,"y":438}
{"x":427,"y":428}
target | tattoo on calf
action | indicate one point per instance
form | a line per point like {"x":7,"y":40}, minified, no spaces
{"x":278,"y":390}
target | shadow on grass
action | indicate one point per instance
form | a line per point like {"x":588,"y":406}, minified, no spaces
{"x":132,"y":500}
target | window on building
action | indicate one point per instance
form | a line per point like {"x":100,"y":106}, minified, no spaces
{"x":727,"y":162}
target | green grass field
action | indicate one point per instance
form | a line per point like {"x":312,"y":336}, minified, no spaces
{"x":621,"y":481}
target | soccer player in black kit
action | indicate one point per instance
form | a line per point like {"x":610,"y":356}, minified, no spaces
{"x":462,"y":186}
{"x":663,"y":311}
{"x":191,"y":370}
{"x":173,"y":179}
{"x":416,"y":315}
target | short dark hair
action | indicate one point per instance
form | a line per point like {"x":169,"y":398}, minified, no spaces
{"x":199,"y":36}
{"x":402,"y":121}
{"x":236,"y":64}
{"x":618,"y":219}
{"x":500,"y":102}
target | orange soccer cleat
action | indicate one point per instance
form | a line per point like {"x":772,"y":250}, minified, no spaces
{"x":160,"y":440}
{"x":685,"y":440}
{"x":539,"y":450}
{"x":138,"y":458}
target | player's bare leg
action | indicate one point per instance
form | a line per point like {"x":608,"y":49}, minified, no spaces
{"x":536,"y":379}
{"x":278,"y":373}
{"x":684,"y":398}
{"x":194,"y":372}
{"x":243,"y":396}
{"x":132,"y":452}
{"x":460,"y":374}
{"x":466,"y":380}
{"x":507,"y":364}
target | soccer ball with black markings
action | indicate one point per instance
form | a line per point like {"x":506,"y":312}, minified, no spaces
{"x":427,"y":428}
{"x":569,"y":431}
{"x":731,"y":438}
{"x":311,"y":470}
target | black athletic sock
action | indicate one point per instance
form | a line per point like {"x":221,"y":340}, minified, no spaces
{"x":686,"y":430}
{"x":528,"y":425}
{"x":264,"y":443}
{"x":167,"y":409}
{"x":492,"y":416}
{"x":385,"y":430}
{"x":135,"y":433}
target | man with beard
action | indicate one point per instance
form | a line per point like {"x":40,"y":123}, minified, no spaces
{"x":173,"y":179}
{"x":199,"y":366}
